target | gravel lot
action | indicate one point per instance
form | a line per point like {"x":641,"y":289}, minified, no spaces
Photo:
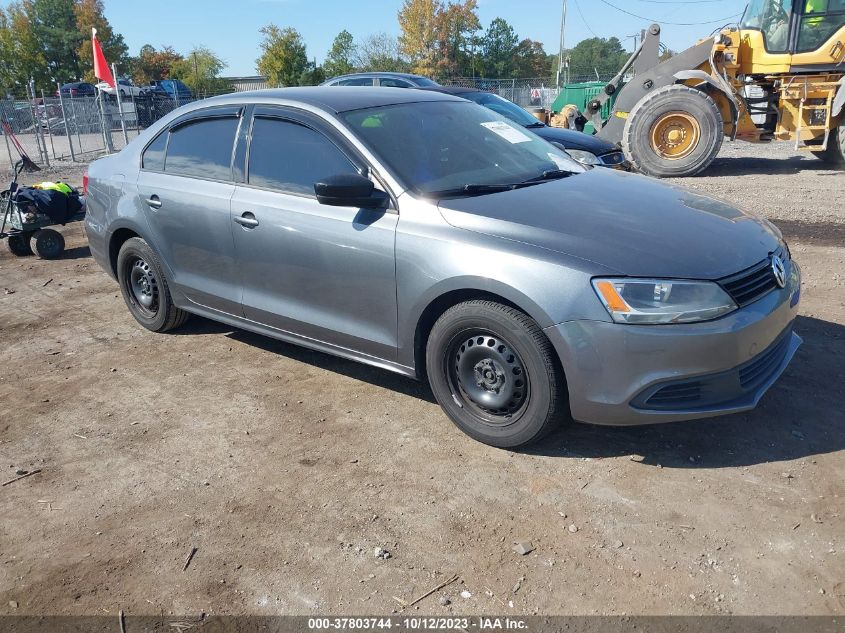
{"x":286,"y":468}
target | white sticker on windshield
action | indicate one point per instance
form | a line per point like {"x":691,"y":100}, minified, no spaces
{"x":507,"y":132}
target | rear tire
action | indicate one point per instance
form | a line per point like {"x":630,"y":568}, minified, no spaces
{"x":674,"y":131}
{"x":495,"y":374}
{"x":145,"y":289}
{"x":835,"y":152}
{"x":47,"y":243}
{"x":18,"y":244}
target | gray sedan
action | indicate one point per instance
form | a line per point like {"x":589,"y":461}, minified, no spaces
{"x":429,"y":236}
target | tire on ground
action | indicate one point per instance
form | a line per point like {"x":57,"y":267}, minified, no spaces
{"x":546,"y":402}
{"x":19,"y":245}
{"x":47,"y":243}
{"x":637,"y":136}
{"x":166,"y":316}
{"x":835,"y":152}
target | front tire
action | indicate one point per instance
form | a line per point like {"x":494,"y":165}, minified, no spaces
{"x":145,"y":289}
{"x":495,"y":374}
{"x":672,"y":132}
{"x":835,"y":152}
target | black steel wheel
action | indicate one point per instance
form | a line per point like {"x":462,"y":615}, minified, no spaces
{"x":145,"y":289}
{"x":495,"y":374}
{"x":18,"y":244}
{"x":487,"y":375}
{"x":47,"y":243}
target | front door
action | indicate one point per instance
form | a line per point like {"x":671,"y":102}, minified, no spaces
{"x":325,"y":273}
{"x":185,"y":188}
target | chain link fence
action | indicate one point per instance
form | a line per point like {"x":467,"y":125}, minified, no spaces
{"x":76,"y":128}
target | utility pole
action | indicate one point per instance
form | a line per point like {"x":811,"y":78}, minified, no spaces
{"x":562,"y":42}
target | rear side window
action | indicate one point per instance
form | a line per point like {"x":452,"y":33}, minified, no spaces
{"x":356,"y":81}
{"x":290,"y":157}
{"x":202,"y":148}
{"x":153,"y":157}
{"x":389,"y":82}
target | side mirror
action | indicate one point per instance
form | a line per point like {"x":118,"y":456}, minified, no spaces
{"x":350,"y":190}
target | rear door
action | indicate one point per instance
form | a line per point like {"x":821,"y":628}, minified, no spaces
{"x":185,"y":187}
{"x":326,"y":273}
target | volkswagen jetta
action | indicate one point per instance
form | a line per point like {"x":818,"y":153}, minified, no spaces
{"x":429,"y":236}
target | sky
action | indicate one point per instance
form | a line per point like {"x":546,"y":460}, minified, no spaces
{"x":230,"y":27}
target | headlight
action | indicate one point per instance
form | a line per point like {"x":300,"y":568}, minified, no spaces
{"x":658,"y":301}
{"x":585,"y":158}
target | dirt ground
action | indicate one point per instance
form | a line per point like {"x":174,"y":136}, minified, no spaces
{"x":286,"y":468}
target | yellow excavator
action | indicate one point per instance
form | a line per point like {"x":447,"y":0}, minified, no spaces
{"x":778,"y":74}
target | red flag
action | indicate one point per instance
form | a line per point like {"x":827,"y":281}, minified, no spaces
{"x":101,"y":66}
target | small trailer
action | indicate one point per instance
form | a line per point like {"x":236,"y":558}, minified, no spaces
{"x":27,"y":230}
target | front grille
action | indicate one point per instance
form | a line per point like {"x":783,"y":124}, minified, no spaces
{"x":613,"y":158}
{"x":753,"y":283}
{"x":759,"y":370}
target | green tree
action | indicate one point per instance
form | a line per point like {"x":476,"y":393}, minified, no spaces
{"x":455,"y":26}
{"x":57,"y":32}
{"x":200,"y":71}
{"x":597,"y":55}
{"x":152,"y":64}
{"x":498,"y":48}
{"x":89,"y":14}
{"x":21,"y":56}
{"x":380,"y":52}
{"x":340,"y":56}
{"x":530,"y":60}
{"x":283,"y":58}
{"x":312,"y":75}
{"x":418,"y":41}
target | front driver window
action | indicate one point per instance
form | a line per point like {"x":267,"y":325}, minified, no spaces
{"x":289,"y":157}
{"x":772,"y":18}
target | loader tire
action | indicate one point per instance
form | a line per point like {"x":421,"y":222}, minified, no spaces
{"x":674,"y":131}
{"x":835,"y":152}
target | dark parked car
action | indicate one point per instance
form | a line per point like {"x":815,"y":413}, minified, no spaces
{"x":79,"y":89}
{"x":174,"y":89}
{"x":426,"y":235}
{"x":586,"y":149}
{"x":384,"y":80}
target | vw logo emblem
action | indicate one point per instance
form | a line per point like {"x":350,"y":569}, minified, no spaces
{"x":779,"y":271}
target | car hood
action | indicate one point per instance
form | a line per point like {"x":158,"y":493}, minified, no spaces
{"x":572,"y":139}
{"x":627,"y":223}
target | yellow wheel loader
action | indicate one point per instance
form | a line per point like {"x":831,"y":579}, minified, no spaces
{"x":778,"y":74}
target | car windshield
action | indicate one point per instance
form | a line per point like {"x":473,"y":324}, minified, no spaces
{"x":501,"y":105}
{"x":425,"y":82}
{"x":437,"y":147}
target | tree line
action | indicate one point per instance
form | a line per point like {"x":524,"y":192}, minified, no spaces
{"x":49,"y":42}
{"x":440,"y":40}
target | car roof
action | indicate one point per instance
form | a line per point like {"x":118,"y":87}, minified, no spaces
{"x":451,"y":90}
{"x":379,"y":73}
{"x":333,"y":99}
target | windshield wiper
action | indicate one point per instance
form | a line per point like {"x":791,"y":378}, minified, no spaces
{"x":550,"y":174}
{"x":472,"y":189}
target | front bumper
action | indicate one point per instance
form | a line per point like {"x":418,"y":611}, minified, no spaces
{"x":638,"y":374}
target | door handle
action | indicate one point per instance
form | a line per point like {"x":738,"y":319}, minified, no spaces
{"x":154,"y":202}
{"x":246,"y":220}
